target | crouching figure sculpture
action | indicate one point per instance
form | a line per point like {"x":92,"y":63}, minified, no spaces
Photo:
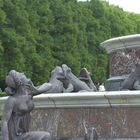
{"x":133,"y":81}
{"x":15,"y":124}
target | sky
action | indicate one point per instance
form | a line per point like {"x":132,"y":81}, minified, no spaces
{"x":127,"y":5}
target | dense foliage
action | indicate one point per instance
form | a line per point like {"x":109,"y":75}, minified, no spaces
{"x":37,"y":35}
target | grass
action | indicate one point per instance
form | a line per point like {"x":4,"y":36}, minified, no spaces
{"x":2,"y":94}
{"x":0,"y":115}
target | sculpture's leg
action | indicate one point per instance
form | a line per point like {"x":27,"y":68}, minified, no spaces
{"x":85,"y":76}
{"x":136,"y":85}
{"x":46,"y":138}
{"x":34,"y":135}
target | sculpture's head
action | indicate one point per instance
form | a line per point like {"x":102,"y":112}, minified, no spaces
{"x":66,"y":69}
{"x":15,"y":79}
{"x":62,"y":76}
{"x":84,"y":74}
{"x":57,"y":71}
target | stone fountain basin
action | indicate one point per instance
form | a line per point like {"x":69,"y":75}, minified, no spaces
{"x":115,"y":114}
{"x":84,"y":99}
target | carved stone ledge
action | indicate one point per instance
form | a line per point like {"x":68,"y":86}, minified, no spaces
{"x":123,"y":42}
{"x":85,"y":99}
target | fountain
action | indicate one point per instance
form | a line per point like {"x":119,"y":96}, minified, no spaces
{"x":20,"y":104}
{"x":114,"y":114}
{"x":124,"y":53}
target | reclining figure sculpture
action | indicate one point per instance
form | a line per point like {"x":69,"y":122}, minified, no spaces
{"x":73,"y":84}
{"x":57,"y":85}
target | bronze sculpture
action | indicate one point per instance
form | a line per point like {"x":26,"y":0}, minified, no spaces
{"x":86,"y":77}
{"x":57,"y":85}
{"x":72,"y":83}
{"x":15,"y":124}
{"x":16,"y":118}
{"x":133,"y":81}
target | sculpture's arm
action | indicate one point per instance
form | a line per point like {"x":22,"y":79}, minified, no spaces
{"x":6,"y":117}
{"x":41,"y":89}
{"x":69,"y":89}
{"x":9,"y":91}
{"x":136,"y":85}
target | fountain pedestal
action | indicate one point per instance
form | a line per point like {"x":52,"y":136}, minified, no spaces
{"x":124,"y":52}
